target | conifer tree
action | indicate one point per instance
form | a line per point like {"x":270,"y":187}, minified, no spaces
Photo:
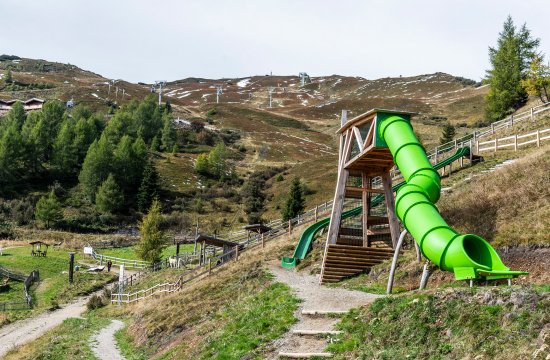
{"x":448,"y":134}
{"x":537,"y":81}
{"x":202,"y":167}
{"x":295,"y":203}
{"x":148,"y":190}
{"x":109,"y":198}
{"x":509,"y":61}
{"x":155,"y":145}
{"x":96,"y":167}
{"x":254,"y":198}
{"x":65,"y":156}
{"x":8,"y":77}
{"x":84,"y":135}
{"x":12,"y":155}
{"x":17,"y":115}
{"x":153,"y":239}
{"x":48,"y":209}
{"x":169,"y":135}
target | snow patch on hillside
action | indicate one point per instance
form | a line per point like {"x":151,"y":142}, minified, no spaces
{"x":243,"y":83}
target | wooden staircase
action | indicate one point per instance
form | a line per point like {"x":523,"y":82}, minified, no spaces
{"x":343,"y":261}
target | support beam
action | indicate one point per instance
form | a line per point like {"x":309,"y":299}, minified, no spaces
{"x":390,"y":206}
{"x":394,"y":261}
{"x":366,"y":183}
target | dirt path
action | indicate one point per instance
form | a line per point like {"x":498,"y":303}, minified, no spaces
{"x":315,"y":326}
{"x":104,"y":344}
{"x":21,"y":332}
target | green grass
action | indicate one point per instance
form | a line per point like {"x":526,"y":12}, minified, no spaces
{"x":453,"y":324}
{"x":126,"y":346}
{"x":53,"y":287}
{"x":70,"y":340}
{"x":130,"y":253}
{"x":251,"y":323}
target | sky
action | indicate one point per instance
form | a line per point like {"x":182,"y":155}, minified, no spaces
{"x":144,"y":40}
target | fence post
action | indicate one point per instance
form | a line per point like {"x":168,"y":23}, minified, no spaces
{"x":289,"y":227}
{"x":100,"y":260}
{"x":538,"y":138}
{"x":511,"y":120}
{"x":471,"y":150}
{"x":496,"y":144}
{"x":263,"y":241}
{"x":532,"y":114}
{"x":236,"y":252}
{"x":316,"y":210}
{"x":436,"y":153}
{"x":209,"y":266}
{"x":516,"y":142}
{"x":492,"y":128}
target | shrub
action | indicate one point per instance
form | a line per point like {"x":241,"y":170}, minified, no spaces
{"x":95,"y":302}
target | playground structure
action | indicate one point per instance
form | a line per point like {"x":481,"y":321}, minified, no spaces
{"x":357,"y":239}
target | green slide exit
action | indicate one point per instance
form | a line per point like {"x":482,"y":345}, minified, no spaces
{"x":307,"y":237}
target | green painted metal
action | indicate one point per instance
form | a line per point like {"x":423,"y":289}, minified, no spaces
{"x":309,"y":234}
{"x":468,"y":256}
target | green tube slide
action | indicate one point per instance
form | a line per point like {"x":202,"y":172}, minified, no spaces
{"x":468,"y":256}
{"x":309,"y":234}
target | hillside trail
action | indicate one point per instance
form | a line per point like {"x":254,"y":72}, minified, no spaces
{"x":103,"y":343}
{"x":27,"y":330}
{"x":316,"y":314}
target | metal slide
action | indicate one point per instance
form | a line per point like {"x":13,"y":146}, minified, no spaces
{"x":306,"y":239}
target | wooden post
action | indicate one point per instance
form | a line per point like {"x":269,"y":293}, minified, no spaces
{"x":511,"y":120}
{"x":492,"y":128}
{"x":289,"y":226}
{"x":538,"y":138}
{"x":532,"y":114}
{"x":390,"y":206}
{"x":316,"y":211}
{"x":496,"y":144}
{"x":236,"y":252}
{"x":516,"y":142}
{"x":209,"y":266}
{"x":71,"y":267}
{"x":477,"y":146}
{"x":263,"y":240}
{"x":366,"y":182}
{"x":471,"y":150}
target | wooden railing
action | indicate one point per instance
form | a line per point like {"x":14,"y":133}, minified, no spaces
{"x":214,"y":262}
{"x":515,"y":141}
{"x":27,"y":283}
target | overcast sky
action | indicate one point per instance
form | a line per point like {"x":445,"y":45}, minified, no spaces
{"x":140,"y":40}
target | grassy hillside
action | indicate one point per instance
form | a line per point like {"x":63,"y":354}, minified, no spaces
{"x":452,"y":324}
{"x":510,"y":206}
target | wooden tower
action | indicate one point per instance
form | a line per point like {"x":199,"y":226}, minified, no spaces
{"x":358,"y":238}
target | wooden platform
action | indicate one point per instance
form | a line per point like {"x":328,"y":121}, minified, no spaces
{"x":343,"y":261}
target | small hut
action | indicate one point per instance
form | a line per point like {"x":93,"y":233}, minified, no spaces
{"x":39,"y":248}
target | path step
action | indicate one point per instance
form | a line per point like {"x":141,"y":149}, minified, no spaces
{"x":324,"y":312}
{"x":295,"y":355}
{"x":316,"y":332}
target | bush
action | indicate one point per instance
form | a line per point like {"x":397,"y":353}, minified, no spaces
{"x":279,"y":178}
{"x":212,"y":112}
{"x":95,"y":302}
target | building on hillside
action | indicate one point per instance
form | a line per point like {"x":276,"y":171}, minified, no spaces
{"x":28,"y":105}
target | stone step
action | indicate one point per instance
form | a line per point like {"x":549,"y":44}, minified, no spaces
{"x":316,"y":332}
{"x":304,"y":355}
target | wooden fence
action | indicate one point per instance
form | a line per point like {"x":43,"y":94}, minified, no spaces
{"x":27,"y":303}
{"x":514,"y":141}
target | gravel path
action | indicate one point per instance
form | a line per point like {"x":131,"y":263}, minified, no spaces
{"x":21,"y":332}
{"x":320,"y":298}
{"x":317,"y":300}
{"x":104,"y":343}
